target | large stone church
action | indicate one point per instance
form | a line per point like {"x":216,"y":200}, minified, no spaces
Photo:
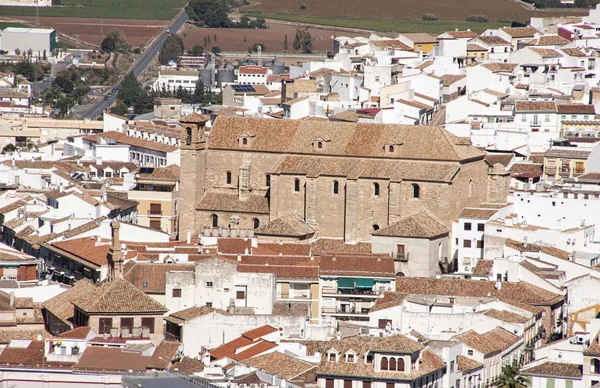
{"x":345,"y":180}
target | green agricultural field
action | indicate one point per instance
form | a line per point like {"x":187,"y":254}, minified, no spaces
{"x":106,"y":9}
{"x":4,"y":25}
{"x":388,"y":25}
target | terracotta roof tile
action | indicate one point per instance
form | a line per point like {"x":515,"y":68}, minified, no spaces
{"x":99,"y":358}
{"x":77,"y":333}
{"x":151,"y":277}
{"x":535,"y":106}
{"x":522,"y":292}
{"x":419,"y":225}
{"x":462,"y":34}
{"x":279,"y":364}
{"x":371,"y":265}
{"x":164,"y":353}
{"x":390,"y":299}
{"x":502,"y":158}
{"x":574,"y":52}
{"x":348,"y":139}
{"x":188,"y":366}
{"x":547,"y":249}
{"x":491,"y":342}
{"x":494,"y":40}
{"x":182,"y":316}
{"x":478,"y":213}
{"x":327,"y":246}
{"x":545,"y":52}
{"x":500,"y":67}
{"x":554,"y":370}
{"x":549,"y":40}
{"x":531,"y":169}
{"x":391,"y":43}
{"x":483,"y":268}
{"x":62,"y":306}
{"x":466,"y":364}
{"x":520,"y":32}
{"x":564,"y":153}
{"x":253,"y":70}
{"x":288,"y":225}
{"x":506,"y":316}
{"x":259,"y":332}
{"x":232,"y":203}
{"x":576,"y":109}
{"x":449,"y":79}
{"x":117,"y":296}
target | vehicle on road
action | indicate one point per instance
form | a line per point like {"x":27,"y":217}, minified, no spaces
{"x":106,"y":98}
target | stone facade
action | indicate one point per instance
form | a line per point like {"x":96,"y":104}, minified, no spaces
{"x":345,"y":179}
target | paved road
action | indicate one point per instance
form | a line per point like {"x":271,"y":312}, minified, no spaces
{"x":142,"y":63}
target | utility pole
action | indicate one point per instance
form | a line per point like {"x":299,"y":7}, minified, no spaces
{"x":37,"y":13}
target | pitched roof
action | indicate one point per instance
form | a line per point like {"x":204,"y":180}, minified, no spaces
{"x":288,"y":225}
{"x":393,"y":43}
{"x":61,"y":305}
{"x":565,"y":153}
{"x":505,"y":316}
{"x":31,"y":355}
{"x":419,"y":225}
{"x":494,"y":40}
{"x":502,"y":158}
{"x":357,"y":265}
{"x":363,"y":345}
{"x":554,"y":370}
{"x":390,"y":299}
{"x":282,"y":365}
{"x":499,"y":67}
{"x":85,"y":250}
{"x":188,"y":366}
{"x":488,"y":343}
{"x":576,"y":109}
{"x":118,"y":296}
{"x":246,"y":346}
{"x":466,"y":364}
{"x":152,"y":277}
{"x":77,"y":333}
{"x":232,"y":203}
{"x":520,"y":292}
{"x":101,"y":358}
{"x":164,"y":353}
{"x":183,"y":316}
{"x":549,"y":40}
{"x":535,"y":106}
{"x":526,"y":168}
{"x":449,"y":79}
{"x":520,"y":32}
{"x":547,"y":249}
{"x":546,"y":52}
{"x":483,"y":268}
{"x":478,"y":213}
{"x":462,"y":34}
{"x":574,"y":52}
{"x":348,"y":139}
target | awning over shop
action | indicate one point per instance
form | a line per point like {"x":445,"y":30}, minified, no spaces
{"x":346,"y":283}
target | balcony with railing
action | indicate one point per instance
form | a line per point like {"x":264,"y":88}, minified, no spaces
{"x":564,"y":172}
{"x":345,"y":311}
{"x":347,"y":292}
{"x":402,"y":257}
{"x":155,"y":213}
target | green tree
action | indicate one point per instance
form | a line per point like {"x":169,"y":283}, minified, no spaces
{"x":215,"y":50}
{"x":205,"y":42}
{"x":130,"y":90}
{"x":9,"y":148}
{"x":208,"y":39}
{"x":120,"y":108}
{"x":285,"y":43}
{"x":113,"y":41}
{"x":209,"y":13}
{"x":303,"y":41}
{"x":197,"y":50}
{"x":172,"y":49}
{"x":510,"y":378}
{"x":200,"y":95}
{"x":215,"y":38}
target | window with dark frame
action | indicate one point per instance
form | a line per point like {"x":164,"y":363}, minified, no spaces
{"x":104,"y":325}
{"x":149,"y":323}
{"x":466,"y":243}
{"x":481,"y":227}
{"x":467,"y":226}
{"x":240,"y":295}
{"x":297,"y":185}
{"x":176,"y":292}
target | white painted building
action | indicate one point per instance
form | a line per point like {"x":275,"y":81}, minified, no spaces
{"x":218,"y":284}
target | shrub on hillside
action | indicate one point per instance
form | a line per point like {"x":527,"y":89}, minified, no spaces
{"x":429,"y":16}
{"x":478,"y":19}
